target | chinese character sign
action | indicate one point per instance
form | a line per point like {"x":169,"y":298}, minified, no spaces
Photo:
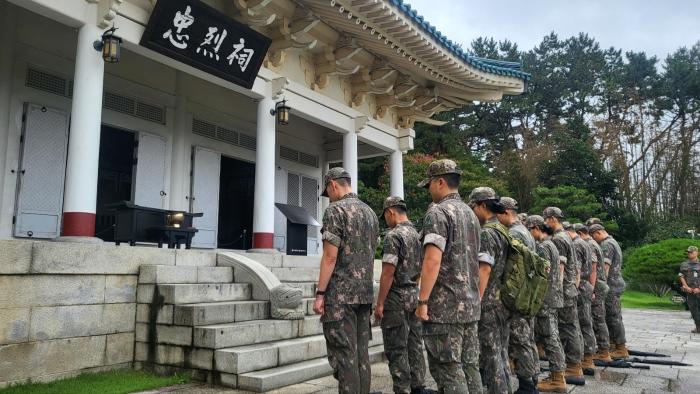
{"x":194,"y":33}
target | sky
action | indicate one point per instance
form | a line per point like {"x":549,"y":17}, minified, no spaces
{"x":658,"y":27}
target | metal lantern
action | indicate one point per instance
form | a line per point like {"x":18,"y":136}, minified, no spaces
{"x":282,"y":112}
{"x":176,"y":219}
{"x":110,"y":45}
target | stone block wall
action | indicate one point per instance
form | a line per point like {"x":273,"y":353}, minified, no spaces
{"x":68,"y":308}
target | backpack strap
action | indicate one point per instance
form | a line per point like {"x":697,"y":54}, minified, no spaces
{"x":501,"y":229}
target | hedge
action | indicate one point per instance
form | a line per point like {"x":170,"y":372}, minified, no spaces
{"x":657,"y":263}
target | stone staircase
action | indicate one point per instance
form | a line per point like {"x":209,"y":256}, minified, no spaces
{"x":201,"y":320}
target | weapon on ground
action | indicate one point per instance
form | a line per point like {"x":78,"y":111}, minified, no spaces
{"x":575,"y":380}
{"x":656,"y":362}
{"x":619,"y":364}
{"x":645,"y":354}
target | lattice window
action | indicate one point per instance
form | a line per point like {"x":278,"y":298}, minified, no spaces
{"x":309,"y":201}
{"x":150,"y":112}
{"x":203,"y":128}
{"x":47,"y":82}
{"x":247,"y":141}
{"x":293,"y":189}
{"x":118,"y":103}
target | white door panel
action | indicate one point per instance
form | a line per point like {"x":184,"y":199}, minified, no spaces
{"x":206,"y":168}
{"x":149,"y":190}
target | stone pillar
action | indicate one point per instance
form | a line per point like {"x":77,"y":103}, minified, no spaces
{"x":84,"y":142}
{"x":350,"y":156}
{"x":264,"y":206}
{"x":8,"y":34}
{"x":396,"y":175}
{"x":179,"y":176}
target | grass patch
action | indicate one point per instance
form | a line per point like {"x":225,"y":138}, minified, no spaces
{"x":642,"y":300}
{"x":111,"y":382}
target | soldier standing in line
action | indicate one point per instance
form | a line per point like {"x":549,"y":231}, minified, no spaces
{"x":600,"y":292}
{"x":689,"y":276}
{"x":397,"y":301}
{"x":547,"y":320}
{"x":569,"y":330}
{"x":345,"y":286}
{"x":612,"y":257}
{"x":448,"y":300}
{"x":493,"y":326}
{"x":585,"y":296}
{"x":521,"y":341}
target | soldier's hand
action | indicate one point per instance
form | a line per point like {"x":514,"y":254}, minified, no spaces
{"x":319,"y":305}
{"x":379,"y":312}
{"x":422,"y":312}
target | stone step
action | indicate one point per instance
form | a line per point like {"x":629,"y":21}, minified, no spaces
{"x":243,"y":359}
{"x":184,"y":274}
{"x":199,"y":293}
{"x":308,"y":304}
{"x":296,"y":274}
{"x":209,"y":313}
{"x":274,"y":378}
{"x":221,"y":336}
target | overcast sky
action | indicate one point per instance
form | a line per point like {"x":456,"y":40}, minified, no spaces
{"x":657,"y":27}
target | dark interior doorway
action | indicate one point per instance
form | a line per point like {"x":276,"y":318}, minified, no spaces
{"x":114,"y":176}
{"x":236,"y":192}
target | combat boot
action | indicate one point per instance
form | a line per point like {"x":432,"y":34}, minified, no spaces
{"x":573,"y":370}
{"x":526,"y":386}
{"x":555,"y":383}
{"x":696,"y":330}
{"x":587,"y":365}
{"x":602,"y":355}
{"x":620,"y":352}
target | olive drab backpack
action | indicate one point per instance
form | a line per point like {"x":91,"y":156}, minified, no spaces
{"x":526,"y":277}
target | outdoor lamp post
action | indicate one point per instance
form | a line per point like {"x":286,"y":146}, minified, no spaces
{"x":110,"y":45}
{"x":282,"y":112}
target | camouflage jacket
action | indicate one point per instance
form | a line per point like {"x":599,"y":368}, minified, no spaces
{"x":597,"y":256}
{"x":493,"y":251}
{"x":452,"y":227}
{"x":583,"y":255}
{"x":352,"y":226}
{"x":571,"y":265}
{"x":402,"y":249}
{"x":520,"y":232}
{"x":555,"y":296}
{"x":690,"y":270}
{"x":612,"y":256}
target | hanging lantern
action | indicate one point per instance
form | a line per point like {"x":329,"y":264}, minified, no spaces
{"x":110,"y":45}
{"x":282,"y":112}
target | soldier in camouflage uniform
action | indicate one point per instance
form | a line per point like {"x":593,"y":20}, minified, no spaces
{"x":398,"y":296}
{"x":448,"y":300}
{"x":345,"y":287}
{"x":547,"y":320}
{"x":689,"y":277}
{"x":521,"y":341}
{"x":612,"y":257}
{"x":585,"y":296}
{"x":600,"y":292}
{"x":569,"y":330}
{"x":493,"y":326}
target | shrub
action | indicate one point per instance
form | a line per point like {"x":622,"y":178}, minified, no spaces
{"x":655,"y":265}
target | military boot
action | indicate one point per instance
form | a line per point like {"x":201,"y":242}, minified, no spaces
{"x":620,"y":352}
{"x":573,"y":370}
{"x":602,"y":355}
{"x":696,"y":330}
{"x":587,"y":365}
{"x":526,"y":386}
{"x":555,"y":383}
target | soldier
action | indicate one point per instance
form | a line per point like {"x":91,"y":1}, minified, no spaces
{"x":612,"y":257}
{"x":600,"y":292}
{"x":493,"y":332}
{"x":569,"y":330}
{"x":689,"y":276}
{"x":345,"y":286}
{"x":547,"y":320}
{"x":585,"y":296}
{"x":521,"y":340}
{"x":448,"y":300}
{"x":398,"y":296}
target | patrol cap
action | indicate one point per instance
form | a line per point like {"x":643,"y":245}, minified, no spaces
{"x":394,"y":201}
{"x":482,"y":193}
{"x":593,"y":221}
{"x":595,"y":227}
{"x":580,"y":227}
{"x":509,"y":203}
{"x":534,"y":221}
{"x":333,"y":173}
{"x":552,"y":212}
{"x":567,"y":226}
{"x":440,"y":167}
{"x":692,"y":248}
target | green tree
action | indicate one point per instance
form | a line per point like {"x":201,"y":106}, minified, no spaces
{"x":577,"y":204}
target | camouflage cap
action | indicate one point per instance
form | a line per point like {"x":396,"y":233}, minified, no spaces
{"x":534,"y":220}
{"x":333,"y":173}
{"x":567,"y":226}
{"x":595,"y":227}
{"x":394,"y":201}
{"x":482,"y":193}
{"x":509,"y":203}
{"x":522,"y":217}
{"x":692,"y":248}
{"x":580,"y":227}
{"x":440,"y":167}
{"x":593,"y":221}
{"x":552,"y":212}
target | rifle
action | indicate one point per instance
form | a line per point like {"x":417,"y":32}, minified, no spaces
{"x":619,"y":364}
{"x":657,"y":362}
{"x":645,"y":354}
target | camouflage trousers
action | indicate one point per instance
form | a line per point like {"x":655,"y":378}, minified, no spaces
{"x":570,"y":332}
{"x":521,"y":346}
{"x":493,"y":340}
{"x":453,"y":356}
{"x":347,"y":342}
{"x":585,"y":317}
{"x":402,"y":332}
{"x":613,"y":317}
{"x":694,"y":307}
{"x":547,"y":333}
{"x":602,"y":337}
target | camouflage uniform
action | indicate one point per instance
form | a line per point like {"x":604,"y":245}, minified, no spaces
{"x":612,"y":256}
{"x":690,"y":271}
{"x":352,"y":226}
{"x":451,"y":332}
{"x":585,"y":294}
{"x":402,"y":331}
{"x":602,"y":338}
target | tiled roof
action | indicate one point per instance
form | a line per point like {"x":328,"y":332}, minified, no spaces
{"x":498,"y":67}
